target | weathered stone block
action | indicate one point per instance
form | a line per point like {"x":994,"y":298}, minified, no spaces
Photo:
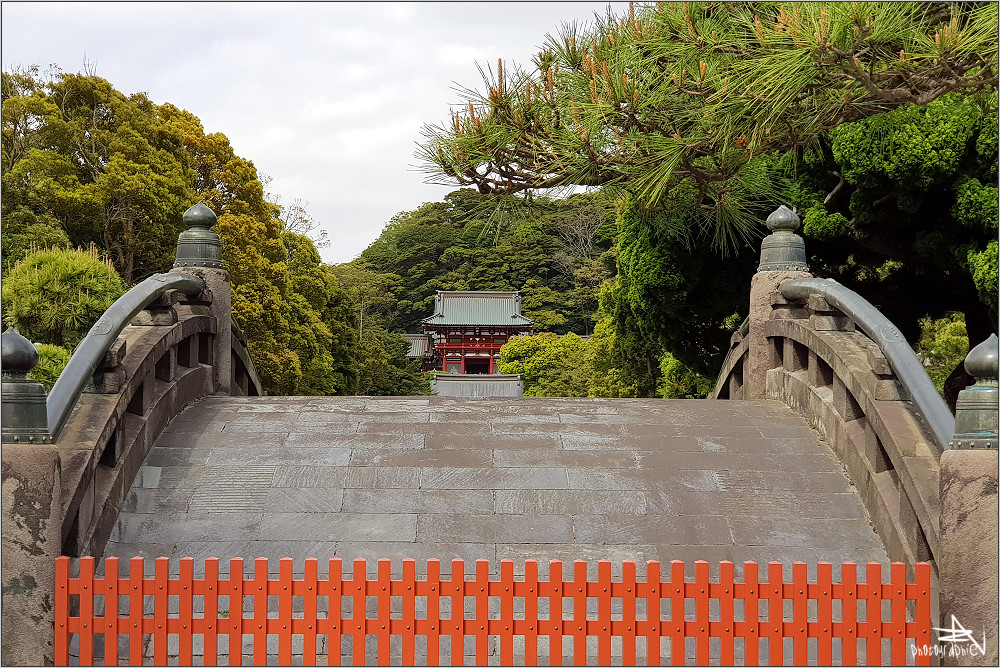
{"x":968,"y":560}
{"x":155,"y":317}
{"x":877,"y":361}
{"x":110,"y":381}
{"x":31,"y":542}
{"x":831,"y":323}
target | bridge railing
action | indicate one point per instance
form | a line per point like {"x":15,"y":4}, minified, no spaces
{"x":825,"y":351}
{"x":69,"y":458}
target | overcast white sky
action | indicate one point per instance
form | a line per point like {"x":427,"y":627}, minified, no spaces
{"x":327,"y":99}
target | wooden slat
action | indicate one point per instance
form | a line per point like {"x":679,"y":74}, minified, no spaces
{"x":111,"y":613}
{"x":873,"y":614}
{"x":357,"y":589}
{"x":185,"y":610}
{"x":727,"y":597}
{"x":456,"y":590}
{"x":654,"y":627}
{"x":849,"y":615}
{"x":701,"y":619}
{"x":824,"y":613}
{"x":481,"y":589}
{"x":800,"y":613}
{"x":556,"y":593}
{"x":310,"y":611}
{"x":676,"y":628}
{"x":86,"y":611}
{"x":775,"y":613}
{"x":61,"y":610}
{"x":530,"y":595}
{"x":751,"y":608}
{"x":507,"y":612}
{"x":628,"y":594}
{"x":603,"y":592}
{"x":409,"y":594}
{"x":922,"y":626}
{"x":211,"y":594}
{"x":895,"y":591}
{"x":235,"y":611}
{"x":284,"y":622}
{"x":432,"y":627}
{"x":161,"y":572}
{"x":579,"y":627}
{"x":335,"y":624}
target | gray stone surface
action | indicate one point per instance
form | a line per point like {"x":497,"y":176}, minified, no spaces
{"x":447,"y":478}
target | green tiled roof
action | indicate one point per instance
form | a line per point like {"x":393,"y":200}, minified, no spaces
{"x":483,"y":309}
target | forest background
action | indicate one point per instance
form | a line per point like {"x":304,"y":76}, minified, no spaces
{"x":634,"y":286}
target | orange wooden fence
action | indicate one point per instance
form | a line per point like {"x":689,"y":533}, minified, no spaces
{"x":891,"y":618}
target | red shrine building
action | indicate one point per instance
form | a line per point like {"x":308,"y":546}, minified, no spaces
{"x":467,"y":330}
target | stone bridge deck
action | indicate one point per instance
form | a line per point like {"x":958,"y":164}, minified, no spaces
{"x":496,"y":479}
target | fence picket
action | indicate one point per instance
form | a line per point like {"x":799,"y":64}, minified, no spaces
{"x":384,"y":622}
{"x":751,"y":613}
{"x":235,"y":590}
{"x":654,"y":625}
{"x":310,"y":610}
{"x":896,"y":590}
{"x":824,"y":613}
{"x":283,"y":624}
{"x":85,"y":621}
{"x":556,"y":591}
{"x":111,"y":614}
{"x":507,"y":612}
{"x":579,"y":628}
{"x":161,"y":572}
{"x":701,"y":620}
{"x":358,"y":592}
{"x":677,"y":634}
{"x":726,"y":595}
{"x":800,"y":613}
{"x":849,"y":614}
{"x":873,"y":614}
{"x":335,"y":615}
{"x":185,"y":611}
{"x":482,"y":593}
{"x":86,"y":610}
{"x":457,"y":624}
{"x":626,"y":627}
{"x":529,"y":592}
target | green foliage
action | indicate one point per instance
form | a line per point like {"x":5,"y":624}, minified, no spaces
{"x":51,"y":361}
{"x":943,"y":345}
{"x":984,"y":274}
{"x":550,"y":365}
{"x":25,"y":232}
{"x":820,"y":224}
{"x":384,"y":369}
{"x":678,"y":381}
{"x":55,"y":296}
{"x":551,"y":250}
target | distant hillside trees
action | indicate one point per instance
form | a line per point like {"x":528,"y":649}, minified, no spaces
{"x":86,"y":164}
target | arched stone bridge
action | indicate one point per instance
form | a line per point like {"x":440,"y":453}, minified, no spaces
{"x":830,"y":447}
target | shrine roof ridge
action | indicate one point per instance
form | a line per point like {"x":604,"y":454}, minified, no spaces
{"x":475,"y":308}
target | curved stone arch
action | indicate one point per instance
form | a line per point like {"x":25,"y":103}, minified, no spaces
{"x":159,"y":364}
{"x":840,"y":382}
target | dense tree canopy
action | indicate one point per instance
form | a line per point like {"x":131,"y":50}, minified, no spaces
{"x":876,"y":120}
{"x":84,"y":163}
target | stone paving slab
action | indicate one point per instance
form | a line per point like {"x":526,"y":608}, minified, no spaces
{"x":524,"y":478}
{"x":519,"y":479}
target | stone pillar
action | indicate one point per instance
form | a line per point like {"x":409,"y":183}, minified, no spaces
{"x":968,"y":562}
{"x":199,"y":252}
{"x":32,"y":519}
{"x":782,"y":258}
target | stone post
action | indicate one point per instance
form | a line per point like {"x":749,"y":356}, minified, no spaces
{"x":782,"y":258}
{"x":968,"y":562}
{"x":32,"y":519}
{"x":199,"y":252}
